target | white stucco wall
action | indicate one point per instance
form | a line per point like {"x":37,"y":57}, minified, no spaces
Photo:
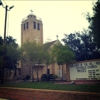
{"x":85,"y":70}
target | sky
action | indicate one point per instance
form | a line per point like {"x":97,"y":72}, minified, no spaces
{"x":59,"y":17}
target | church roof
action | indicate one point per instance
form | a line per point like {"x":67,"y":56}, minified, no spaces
{"x":49,"y":44}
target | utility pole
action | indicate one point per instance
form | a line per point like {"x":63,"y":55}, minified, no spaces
{"x":5,"y":24}
{"x":4,"y":46}
{"x":4,"y":42}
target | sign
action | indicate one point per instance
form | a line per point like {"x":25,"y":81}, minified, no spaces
{"x":81,"y":67}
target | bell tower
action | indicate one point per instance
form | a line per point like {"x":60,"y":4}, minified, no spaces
{"x":31,"y":29}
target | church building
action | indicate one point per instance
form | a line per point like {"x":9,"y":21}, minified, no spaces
{"x":32,"y":30}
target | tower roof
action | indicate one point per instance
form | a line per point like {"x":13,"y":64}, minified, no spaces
{"x":31,"y":16}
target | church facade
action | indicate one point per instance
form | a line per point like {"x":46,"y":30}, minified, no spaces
{"x":32,"y":30}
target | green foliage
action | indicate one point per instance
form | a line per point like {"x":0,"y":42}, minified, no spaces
{"x":1,"y":51}
{"x":62,"y":54}
{"x":95,"y":22}
{"x":48,"y":58}
{"x":9,"y":56}
{"x":82,"y":44}
{"x":32,"y":56}
{"x":44,"y":77}
{"x":33,"y":53}
{"x":52,"y":76}
{"x":12,"y":53}
{"x":1,"y":55}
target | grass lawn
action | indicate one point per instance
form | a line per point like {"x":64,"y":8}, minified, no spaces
{"x":49,"y":85}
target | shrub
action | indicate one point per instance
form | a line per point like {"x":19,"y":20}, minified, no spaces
{"x":27,"y":77}
{"x":46,"y":77}
{"x":52,"y":76}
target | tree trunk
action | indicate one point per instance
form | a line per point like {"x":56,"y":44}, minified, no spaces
{"x":37,"y":72}
{"x":14,"y":75}
{"x":47,"y":73}
{"x":37,"y":76}
{"x":32,"y":76}
{"x":62,"y":74}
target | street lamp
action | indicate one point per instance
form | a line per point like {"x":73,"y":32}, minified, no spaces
{"x":11,"y":7}
{"x":4,"y":42}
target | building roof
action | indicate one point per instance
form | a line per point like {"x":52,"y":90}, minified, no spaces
{"x":49,"y":44}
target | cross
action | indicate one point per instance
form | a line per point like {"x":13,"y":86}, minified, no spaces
{"x":37,"y":40}
{"x":57,"y":36}
{"x":31,"y":11}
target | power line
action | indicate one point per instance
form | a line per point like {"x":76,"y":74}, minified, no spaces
{"x":4,"y":2}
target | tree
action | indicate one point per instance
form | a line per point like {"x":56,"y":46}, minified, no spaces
{"x":39,"y":58}
{"x":48,"y":56}
{"x":48,"y":59}
{"x":32,"y":56}
{"x":63,"y":55}
{"x":95,"y":22}
{"x":1,"y":51}
{"x":12,"y":54}
{"x":1,"y":55}
{"x":82,"y":44}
